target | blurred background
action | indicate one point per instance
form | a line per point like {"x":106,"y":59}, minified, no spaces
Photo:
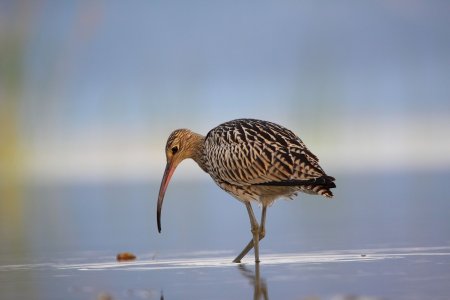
{"x":90,"y":91}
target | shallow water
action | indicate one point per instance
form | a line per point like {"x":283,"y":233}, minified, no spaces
{"x":384,"y":236}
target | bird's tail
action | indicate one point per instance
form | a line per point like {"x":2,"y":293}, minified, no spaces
{"x":323,"y":185}
{"x":318,"y":186}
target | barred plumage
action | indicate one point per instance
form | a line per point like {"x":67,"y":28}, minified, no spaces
{"x":250,"y":153}
{"x":252,"y":160}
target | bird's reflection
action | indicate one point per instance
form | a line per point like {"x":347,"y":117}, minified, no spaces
{"x":254,"y":277}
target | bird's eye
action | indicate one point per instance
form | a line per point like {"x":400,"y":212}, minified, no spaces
{"x":174,"y":149}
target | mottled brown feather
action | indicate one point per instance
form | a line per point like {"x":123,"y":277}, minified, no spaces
{"x":272,"y":154}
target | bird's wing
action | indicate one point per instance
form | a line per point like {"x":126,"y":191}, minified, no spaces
{"x":248,"y":152}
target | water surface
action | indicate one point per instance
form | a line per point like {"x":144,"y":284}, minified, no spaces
{"x":384,"y":236}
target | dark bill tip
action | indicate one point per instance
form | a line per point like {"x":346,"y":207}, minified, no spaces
{"x":170,"y":168}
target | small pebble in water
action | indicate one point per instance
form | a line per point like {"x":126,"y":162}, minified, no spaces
{"x":125,"y":256}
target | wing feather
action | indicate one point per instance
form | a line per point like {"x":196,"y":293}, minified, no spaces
{"x":253,"y":152}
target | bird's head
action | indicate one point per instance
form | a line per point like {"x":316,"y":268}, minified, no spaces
{"x":181,"y":144}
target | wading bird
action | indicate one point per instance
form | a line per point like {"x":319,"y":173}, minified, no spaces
{"x":252,"y":160}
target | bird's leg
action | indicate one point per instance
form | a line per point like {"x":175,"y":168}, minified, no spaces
{"x":255,"y":231}
{"x":262,"y":224}
{"x":260,"y":230}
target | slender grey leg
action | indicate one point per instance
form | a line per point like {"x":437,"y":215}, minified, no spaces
{"x":255,"y":233}
{"x":260,"y":232}
{"x":244,"y":252}
{"x":262,"y":225}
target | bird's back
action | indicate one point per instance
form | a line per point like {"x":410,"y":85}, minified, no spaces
{"x":252,"y":158}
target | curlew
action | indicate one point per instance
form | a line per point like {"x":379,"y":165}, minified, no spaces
{"x":254,"y":161}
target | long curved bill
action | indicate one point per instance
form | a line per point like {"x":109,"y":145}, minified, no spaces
{"x":170,"y":168}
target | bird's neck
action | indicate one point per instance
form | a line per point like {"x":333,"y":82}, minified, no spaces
{"x":198,"y":156}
